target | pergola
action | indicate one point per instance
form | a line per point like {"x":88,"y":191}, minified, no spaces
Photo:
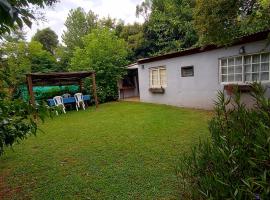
{"x":60,"y":79}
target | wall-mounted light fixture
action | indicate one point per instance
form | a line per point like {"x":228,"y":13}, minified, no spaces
{"x":242,"y":50}
{"x":142,"y":66}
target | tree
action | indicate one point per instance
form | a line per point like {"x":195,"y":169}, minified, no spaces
{"x":17,"y":13}
{"x":169,"y":26}
{"x":14,"y":65}
{"x":111,"y":23}
{"x":47,"y":38}
{"x":144,"y":9}
{"x":105,"y":53}
{"x":63,"y":57}
{"x":221,"y":21}
{"x":19,"y":58}
{"x":41,"y":60}
{"x":133,"y":35}
{"x":78,"y":24}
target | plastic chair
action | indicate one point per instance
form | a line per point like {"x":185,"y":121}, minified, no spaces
{"x":79,"y":100}
{"x":58,"y":101}
{"x":66,"y":95}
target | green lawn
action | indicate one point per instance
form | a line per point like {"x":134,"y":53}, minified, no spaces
{"x":119,"y":151}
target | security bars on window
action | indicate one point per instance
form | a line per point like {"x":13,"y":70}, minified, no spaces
{"x":247,"y":68}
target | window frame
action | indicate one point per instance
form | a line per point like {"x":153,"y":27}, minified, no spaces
{"x":158,"y":77}
{"x":244,"y":82}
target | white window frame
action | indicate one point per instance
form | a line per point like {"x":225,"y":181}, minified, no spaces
{"x":158,"y":77}
{"x":243,"y":82}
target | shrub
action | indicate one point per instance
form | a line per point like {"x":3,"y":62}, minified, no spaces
{"x":235,"y":162}
{"x":18,"y":121}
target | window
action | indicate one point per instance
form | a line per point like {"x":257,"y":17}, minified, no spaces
{"x":158,"y":77}
{"x":187,"y":71}
{"x":248,"y":68}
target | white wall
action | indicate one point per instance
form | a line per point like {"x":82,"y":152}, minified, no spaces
{"x":198,"y":91}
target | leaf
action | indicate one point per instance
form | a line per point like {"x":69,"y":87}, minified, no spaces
{"x":246,"y":183}
{"x":27,"y":22}
{"x":235,"y":192}
{"x":19,"y":22}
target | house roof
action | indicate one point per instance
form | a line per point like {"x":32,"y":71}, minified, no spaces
{"x":245,"y":39}
{"x":133,"y":66}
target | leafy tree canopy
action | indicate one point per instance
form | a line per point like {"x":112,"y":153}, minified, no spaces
{"x":19,"y":58}
{"x":105,"y":53}
{"x":221,"y":21}
{"x":62,"y":56}
{"x":169,"y":26}
{"x":48,"y":38}
{"x":144,"y":9}
{"x":133,"y":35}
{"x":78,"y":24}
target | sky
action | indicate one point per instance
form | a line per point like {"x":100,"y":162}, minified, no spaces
{"x":56,"y":16}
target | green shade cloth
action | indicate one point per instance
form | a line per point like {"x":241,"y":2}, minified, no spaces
{"x":46,"y":92}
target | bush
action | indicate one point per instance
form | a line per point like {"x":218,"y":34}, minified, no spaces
{"x":18,"y":120}
{"x":235,"y":162}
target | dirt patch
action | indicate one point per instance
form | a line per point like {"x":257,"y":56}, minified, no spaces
{"x":7,"y":192}
{"x":68,"y":161}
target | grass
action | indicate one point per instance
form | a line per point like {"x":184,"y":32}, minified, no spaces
{"x":120,"y":151}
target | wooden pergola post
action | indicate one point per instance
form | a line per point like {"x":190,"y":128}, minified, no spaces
{"x":81,"y":86}
{"x":94,"y":88}
{"x":30,"y":89}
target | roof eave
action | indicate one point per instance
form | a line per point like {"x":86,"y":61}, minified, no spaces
{"x":246,"y":39}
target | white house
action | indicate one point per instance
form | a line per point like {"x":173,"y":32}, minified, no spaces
{"x":192,"y":78}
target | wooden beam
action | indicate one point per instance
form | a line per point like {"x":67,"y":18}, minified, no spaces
{"x":81,"y":85}
{"x":94,"y":89}
{"x":30,"y":89}
{"x":55,"y":84}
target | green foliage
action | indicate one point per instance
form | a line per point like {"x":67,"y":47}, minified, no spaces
{"x":144,"y":9}
{"x":43,"y":95}
{"x":62,"y":55}
{"x":17,"y":13}
{"x":78,"y":24}
{"x":14,"y":65}
{"x":20,"y":58}
{"x":41,"y":60}
{"x":134,"y":36}
{"x":221,"y":21}
{"x":235,"y":163}
{"x":106,"y":54}
{"x":47,"y":38}
{"x":16,"y":122}
{"x":169,"y":27}
{"x":18,"y":119}
{"x":110,"y":23}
